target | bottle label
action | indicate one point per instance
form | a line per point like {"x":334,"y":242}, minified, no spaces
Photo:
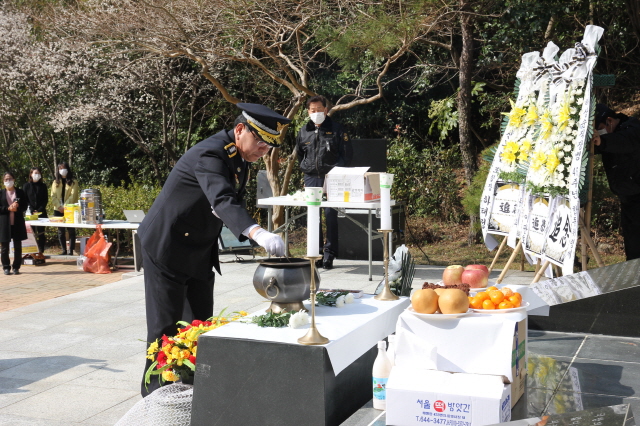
{"x":380,"y":388}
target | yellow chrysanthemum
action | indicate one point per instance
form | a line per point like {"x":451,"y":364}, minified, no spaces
{"x":546,"y":124}
{"x":525,"y":146}
{"x":523,"y":156}
{"x":508,"y":157}
{"x":152,"y":349}
{"x":539,"y":158}
{"x":532,"y":115}
{"x":515,"y":116}
{"x":169,"y":376}
{"x":552,"y":161}
{"x":243,"y":313}
{"x":512,"y":146}
{"x":564,"y":115}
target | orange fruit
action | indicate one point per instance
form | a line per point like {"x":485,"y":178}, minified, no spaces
{"x":505,"y":305}
{"x":476,"y":302}
{"x":496,"y":296}
{"x":482,"y":295}
{"x":470,"y":300}
{"x":488,"y":304}
{"x":515,"y":300}
{"x":506,"y":291}
{"x":492,"y":288}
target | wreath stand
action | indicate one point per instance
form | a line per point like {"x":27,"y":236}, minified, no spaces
{"x":585,"y":238}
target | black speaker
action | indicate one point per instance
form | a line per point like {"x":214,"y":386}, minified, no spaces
{"x":370,"y":153}
{"x":353,"y":239}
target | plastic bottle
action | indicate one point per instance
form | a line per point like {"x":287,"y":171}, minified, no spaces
{"x":391,"y":349}
{"x":381,"y":371}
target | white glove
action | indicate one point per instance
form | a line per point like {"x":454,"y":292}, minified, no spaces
{"x":272,"y":243}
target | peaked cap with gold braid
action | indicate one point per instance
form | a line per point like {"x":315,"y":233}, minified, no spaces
{"x":266,"y":123}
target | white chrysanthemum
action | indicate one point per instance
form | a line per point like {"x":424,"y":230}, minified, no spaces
{"x":349,"y":298}
{"x":567,"y":148}
{"x":560,"y":154}
{"x":567,"y":159}
{"x":299,"y":319}
{"x":560,"y":168}
{"x":340,"y":302}
{"x":575,"y":133}
{"x":572,"y":123}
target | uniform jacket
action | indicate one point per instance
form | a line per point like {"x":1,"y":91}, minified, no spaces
{"x":71,"y":194}
{"x":37,"y":196}
{"x":621,"y":157}
{"x":180,"y":232}
{"x":18,"y":217}
{"x":320,"y":149}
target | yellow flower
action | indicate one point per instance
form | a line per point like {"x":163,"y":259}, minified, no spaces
{"x":546,"y":123}
{"x":564,"y":115}
{"x":523,"y":156}
{"x":508,"y":157}
{"x":512,"y":147}
{"x":243,"y":313}
{"x":169,"y":376}
{"x":515,"y":116}
{"x":153,"y":348}
{"x":552,"y":161}
{"x":532,"y":115}
{"x":525,"y":146}
{"x":539,"y":158}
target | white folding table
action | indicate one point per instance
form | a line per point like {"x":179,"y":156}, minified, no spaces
{"x":344,"y":209}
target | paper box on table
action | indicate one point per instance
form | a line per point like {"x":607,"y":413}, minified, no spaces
{"x":353,"y":184}
{"x":490,"y":338}
{"x":417,"y":397}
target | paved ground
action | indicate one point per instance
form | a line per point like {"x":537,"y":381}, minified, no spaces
{"x":77,"y":359}
{"x":58,"y":277}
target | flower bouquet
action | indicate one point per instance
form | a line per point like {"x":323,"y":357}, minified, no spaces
{"x":175,"y":357}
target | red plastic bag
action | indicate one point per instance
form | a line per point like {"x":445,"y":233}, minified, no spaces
{"x":96,"y":254}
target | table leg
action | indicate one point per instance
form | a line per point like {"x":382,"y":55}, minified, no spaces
{"x":286,"y":230}
{"x":370,"y":247}
{"x":270,"y":219}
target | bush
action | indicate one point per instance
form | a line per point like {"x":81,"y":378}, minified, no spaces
{"x":135,"y":196}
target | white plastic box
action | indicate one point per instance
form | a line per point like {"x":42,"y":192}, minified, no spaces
{"x":419,"y":397}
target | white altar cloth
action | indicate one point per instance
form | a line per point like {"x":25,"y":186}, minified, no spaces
{"x":352,"y":330}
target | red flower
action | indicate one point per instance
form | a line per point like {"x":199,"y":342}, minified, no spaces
{"x":165,"y":340}
{"x":196,"y":323}
{"x":162,"y":359}
{"x":207,"y":323}
{"x":192,"y":359}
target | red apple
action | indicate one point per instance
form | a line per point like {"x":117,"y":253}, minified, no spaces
{"x":452,"y":275}
{"x":476,"y":278}
{"x":482,"y":267}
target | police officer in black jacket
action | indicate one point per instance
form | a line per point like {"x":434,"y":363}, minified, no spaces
{"x":179,"y":235}
{"x":321,"y":145}
{"x":618,"y":140}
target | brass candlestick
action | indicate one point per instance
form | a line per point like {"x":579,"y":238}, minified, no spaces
{"x":313,"y":336}
{"x":386,"y":294}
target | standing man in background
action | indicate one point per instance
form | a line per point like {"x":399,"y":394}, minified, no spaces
{"x":179,"y":235}
{"x":617,"y":138}
{"x":322,"y":145}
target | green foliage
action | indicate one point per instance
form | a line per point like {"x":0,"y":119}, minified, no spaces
{"x":426,"y":179}
{"x":443,"y":112}
{"x":133,"y":196}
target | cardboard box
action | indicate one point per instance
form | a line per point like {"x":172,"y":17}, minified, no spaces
{"x":491,"y":338}
{"x":417,"y":397}
{"x":352,"y":184}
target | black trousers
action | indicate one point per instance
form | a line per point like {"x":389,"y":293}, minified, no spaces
{"x":171,"y":297}
{"x":630,"y":221}
{"x":62,"y":237}
{"x":330,"y":246}
{"x":17,"y":252}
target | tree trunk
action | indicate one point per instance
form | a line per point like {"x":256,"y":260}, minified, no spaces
{"x":464,"y":104}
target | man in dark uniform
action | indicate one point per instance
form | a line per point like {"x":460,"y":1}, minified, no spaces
{"x":322,"y":145}
{"x":618,"y":140}
{"x":179,"y":235}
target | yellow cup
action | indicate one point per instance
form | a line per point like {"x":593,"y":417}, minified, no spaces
{"x":346,"y":196}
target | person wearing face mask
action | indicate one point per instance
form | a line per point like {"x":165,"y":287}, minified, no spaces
{"x":179,"y":235}
{"x":321,"y":145}
{"x":13,"y":204}
{"x":38,"y":198}
{"x":64,"y":190}
{"x":617,"y":138}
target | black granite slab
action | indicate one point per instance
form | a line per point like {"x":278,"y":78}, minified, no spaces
{"x":241,"y":382}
